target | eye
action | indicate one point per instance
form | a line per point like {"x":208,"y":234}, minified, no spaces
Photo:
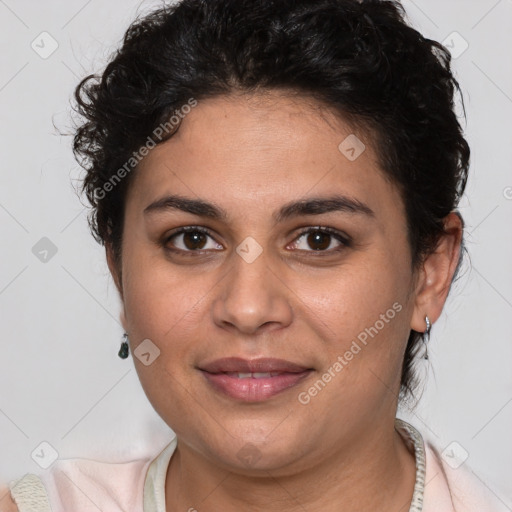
{"x":320,"y":239}
{"x":190,"y":239}
{"x":194,"y":239}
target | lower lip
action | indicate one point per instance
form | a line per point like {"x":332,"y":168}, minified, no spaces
{"x":251,"y":389}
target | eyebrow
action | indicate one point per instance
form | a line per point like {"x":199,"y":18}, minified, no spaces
{"x":310,"y":206}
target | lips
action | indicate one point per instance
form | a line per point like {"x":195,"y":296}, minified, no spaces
{"x":253,"y":366}
{"x":255,"y":375}
{"x":253,"y":380}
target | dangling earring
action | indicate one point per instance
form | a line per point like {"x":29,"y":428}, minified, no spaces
{"x":124,"y":350}
{"x":427,"y":333}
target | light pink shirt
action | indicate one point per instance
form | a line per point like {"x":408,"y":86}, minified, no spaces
{"x":83,"y":485}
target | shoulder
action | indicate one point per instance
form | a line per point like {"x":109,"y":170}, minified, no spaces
{"x":6,"y":502}
{"x":26,"y":494}
{"x":79,"y":484}
{"x":452,"y":485}
{"x":87,"y":484}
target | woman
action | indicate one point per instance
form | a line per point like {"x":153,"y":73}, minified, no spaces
{"x":276,"y":186}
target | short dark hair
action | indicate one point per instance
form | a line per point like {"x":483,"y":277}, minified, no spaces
{"x":361,"y":59}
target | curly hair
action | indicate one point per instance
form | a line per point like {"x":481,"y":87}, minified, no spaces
{"x":360,"y":58}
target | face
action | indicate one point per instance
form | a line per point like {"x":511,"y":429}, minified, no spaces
{"x":264,"y":272}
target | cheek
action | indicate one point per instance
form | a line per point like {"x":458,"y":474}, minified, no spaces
{"x":362,"y":317}
{"x":354,"y":297}
{"x":163,"y":305}
{"x":158,"y":295}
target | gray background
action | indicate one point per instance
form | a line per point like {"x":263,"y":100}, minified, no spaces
{"x":61,"y":381}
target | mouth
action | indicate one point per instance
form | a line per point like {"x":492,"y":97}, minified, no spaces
{"x":253,"y":380}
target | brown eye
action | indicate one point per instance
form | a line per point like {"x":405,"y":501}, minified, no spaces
{"x":190,"y":239}
{"x":318,"y":240}
{"x":194,"y":240}
{"x":321,"y":240}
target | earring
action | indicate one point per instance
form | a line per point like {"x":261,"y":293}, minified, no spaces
{"x":427,"y":333}
{"x":124,"y":350}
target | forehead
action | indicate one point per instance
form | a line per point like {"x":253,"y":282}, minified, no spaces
{"x":267,"y":149}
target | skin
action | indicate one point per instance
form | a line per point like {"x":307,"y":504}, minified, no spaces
{"x":250,"y":155}
{"x":6,"y":502}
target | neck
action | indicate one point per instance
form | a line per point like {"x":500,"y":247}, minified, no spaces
{"x":377,"y":472}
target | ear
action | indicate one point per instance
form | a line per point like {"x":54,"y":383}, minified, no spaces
{"x":437,"y":273}
{"x":115,"y":272}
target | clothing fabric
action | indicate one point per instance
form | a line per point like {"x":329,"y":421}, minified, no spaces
{"x":84,"y":485}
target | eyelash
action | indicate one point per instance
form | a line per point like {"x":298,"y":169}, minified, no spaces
{"x":344,"y":240}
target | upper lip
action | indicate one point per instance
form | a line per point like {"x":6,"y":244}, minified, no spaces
{"x":261,"y":365}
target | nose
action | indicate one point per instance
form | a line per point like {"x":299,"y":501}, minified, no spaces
{"x":253,"y":297}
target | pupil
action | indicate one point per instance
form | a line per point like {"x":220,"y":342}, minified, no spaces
{"x":319,"y":238}
{"x":196,"y":238}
